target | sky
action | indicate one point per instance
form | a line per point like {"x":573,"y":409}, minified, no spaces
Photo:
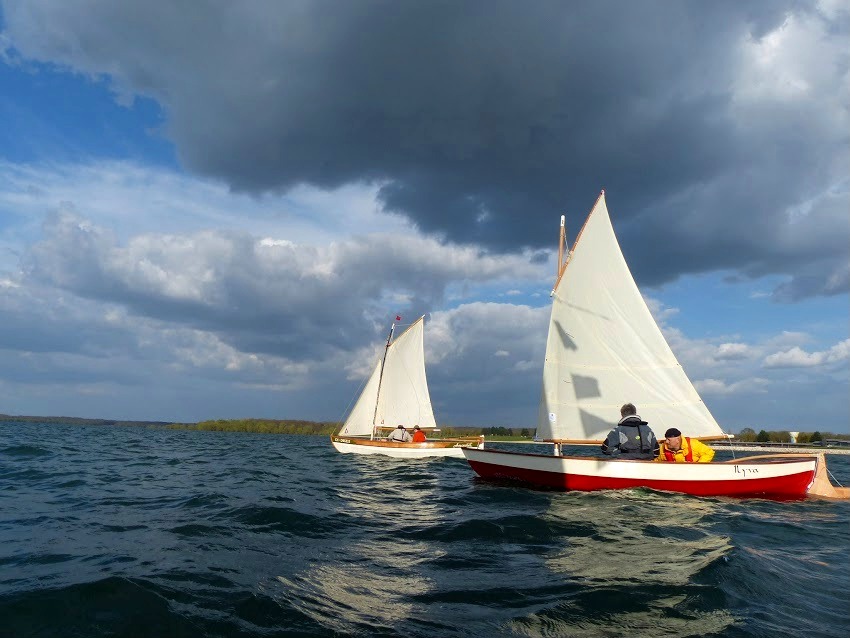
{"x":215,"y":210}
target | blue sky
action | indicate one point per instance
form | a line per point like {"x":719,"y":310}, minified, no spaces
{"x":60,"y":116}
{"x":218,"y":217}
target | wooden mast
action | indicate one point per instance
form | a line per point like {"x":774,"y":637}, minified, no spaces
{"x":561,"y":248}
{"x":562,"y":262}
{"x":560,"y":271}
{"x":380,"y":379}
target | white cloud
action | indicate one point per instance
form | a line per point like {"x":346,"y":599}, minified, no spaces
{"x":133,"y":199}
{"x":730,"y":351}
{"x":225,"y":279}
{"x":710,"y":387}
{"x":785,"y":67}
{"x":798,"y":358}
{"x":833,"y":9}
{"x":659,"y":311}
{"x":787,"y":339}
{"x":739,"y":390}
{"x":793,"y":358}
{"x":760,"y":294}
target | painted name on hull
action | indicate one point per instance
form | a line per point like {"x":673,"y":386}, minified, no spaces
{"x":745,"y":471}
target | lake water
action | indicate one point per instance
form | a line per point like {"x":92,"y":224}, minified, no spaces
{"x":119,"y":531}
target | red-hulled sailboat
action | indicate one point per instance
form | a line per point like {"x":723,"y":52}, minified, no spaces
{"x":605,"y":349}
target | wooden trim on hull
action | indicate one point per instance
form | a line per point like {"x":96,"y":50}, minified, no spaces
{"x":778,"y":479}
{"x":437,"y":448}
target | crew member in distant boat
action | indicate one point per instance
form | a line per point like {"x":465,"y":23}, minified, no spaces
{"x":400,"y":435}
{"x":683,"y":449}
{"x":631,"y":438}
{"x":418,"y":434}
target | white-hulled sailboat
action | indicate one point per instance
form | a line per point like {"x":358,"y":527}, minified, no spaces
{"x":397,"y":394}
{"x":604,"y":349}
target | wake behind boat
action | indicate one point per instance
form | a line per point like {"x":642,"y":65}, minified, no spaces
{"x":605,"y":349}
{"x":397,"y":394}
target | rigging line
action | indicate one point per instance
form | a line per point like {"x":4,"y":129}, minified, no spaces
{"x":381,"y":378}
{"x":832,"y":476}
{"x":729,"y":443}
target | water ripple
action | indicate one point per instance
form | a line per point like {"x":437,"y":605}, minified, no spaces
{"x":146,"y":532}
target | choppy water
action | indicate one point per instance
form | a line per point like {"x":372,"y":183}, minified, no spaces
{"x":139,"y":532}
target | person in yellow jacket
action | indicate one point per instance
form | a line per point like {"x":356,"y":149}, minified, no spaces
{"x":683,"y":449}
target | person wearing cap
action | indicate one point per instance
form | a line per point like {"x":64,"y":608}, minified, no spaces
{"x":399,"y":435}
{"x":683,"y":449}
{"x":418,"y":435}
{"x":632,"y":438}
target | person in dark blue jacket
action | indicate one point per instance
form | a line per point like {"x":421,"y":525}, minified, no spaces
{"x":632,"y":438}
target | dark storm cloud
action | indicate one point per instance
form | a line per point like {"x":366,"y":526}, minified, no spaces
{"x":705,"y":121}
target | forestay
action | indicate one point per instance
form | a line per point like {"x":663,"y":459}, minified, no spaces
{"x":604,"y":349}
{"x":403,"y":396}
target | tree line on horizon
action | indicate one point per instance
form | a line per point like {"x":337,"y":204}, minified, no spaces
{"x":299,"y":426}
{"x":75,"y":420}
{"x":262,"y":426}
{"x":272,"y":426}
{"x":749,"y":435}
{"x":275,"y":426}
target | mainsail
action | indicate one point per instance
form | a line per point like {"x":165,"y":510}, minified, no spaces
{"x":397,"y":392}
{"x":604,"y":349}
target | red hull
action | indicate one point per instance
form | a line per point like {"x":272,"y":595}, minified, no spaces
{"x":790,"y":485}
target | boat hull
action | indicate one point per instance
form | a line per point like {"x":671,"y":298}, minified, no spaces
{"x":452,"y":448}
{"x":781,"y":479}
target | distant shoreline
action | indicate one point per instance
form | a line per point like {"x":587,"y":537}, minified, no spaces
{"x":326,"y":428}
{"x":257,"y":426}
{"x":266,"y":426}
{"x":789,"y":449}
{"x":73,"y":420}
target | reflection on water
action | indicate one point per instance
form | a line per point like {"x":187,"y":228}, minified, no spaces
{"x":637,"y":568}
{"x":656,"y":539}
{"x":371,"y":587}
{"x":400,"y":488}
{"x":374,"y":580}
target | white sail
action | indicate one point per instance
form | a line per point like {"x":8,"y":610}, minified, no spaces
{"x":604,"y":349}
{"x":359,"y":421}
{"x":403,"y":396}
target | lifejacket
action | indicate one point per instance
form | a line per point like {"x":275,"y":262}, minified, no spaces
{"x":689,"y":457}
{"x":644,"y":446}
